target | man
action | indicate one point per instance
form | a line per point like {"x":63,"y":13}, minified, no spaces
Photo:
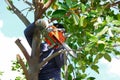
{"x":52,"y":69}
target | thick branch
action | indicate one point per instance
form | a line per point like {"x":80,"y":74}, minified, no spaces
{"x":41,"y":7}
{"x":36,"y":44}
{"x":23,"y":50}
{"x":23,"y":66}
{"x":38,"y":8}
{"x":18,"y":13}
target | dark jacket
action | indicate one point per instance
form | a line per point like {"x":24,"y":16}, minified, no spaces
{"x":52,"y":68}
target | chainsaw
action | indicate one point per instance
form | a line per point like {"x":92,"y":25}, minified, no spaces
{"x":54,"y":36}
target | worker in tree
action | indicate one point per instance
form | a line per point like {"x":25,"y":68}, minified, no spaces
{"x":52,"y":69}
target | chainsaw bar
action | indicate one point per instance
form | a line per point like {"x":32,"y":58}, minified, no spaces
{"x":69,"y":50}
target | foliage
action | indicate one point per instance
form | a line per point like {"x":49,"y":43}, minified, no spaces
{"x":94,"y":29}
{"x":93,"y":36}
{"x":1,"y":73}
{"x":16,"y":67}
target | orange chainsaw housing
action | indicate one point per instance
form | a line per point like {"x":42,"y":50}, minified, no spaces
{"x":56,"y":36}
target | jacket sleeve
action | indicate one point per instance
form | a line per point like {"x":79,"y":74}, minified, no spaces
{"x":59,"y":59}
{"x":28,"y":32}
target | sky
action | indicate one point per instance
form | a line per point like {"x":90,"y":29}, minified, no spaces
{"x":11,"y":28}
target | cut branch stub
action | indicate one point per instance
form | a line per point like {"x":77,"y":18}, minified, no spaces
{"x":25,"y":53}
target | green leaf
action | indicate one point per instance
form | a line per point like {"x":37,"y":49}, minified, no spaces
{"x":91,"y":78}
{"x":69,"y":77}
{"x":76,"y":19}
{"x":82,"y":20}
{"x":95,"y":68}
{"x":98,"y":57}
{"x":110,"y":32}
{"x":1,"y":73}
{"x":109,"y":19}
{"x":92,"y":38}
{"x":63,"y":6}
{"x":89,"y":46}
{"x":83,"y":68}
{"x":74,"y":5}
{"x":103,"y":31}
{"x":116,"y":29}
{"x":116,"y":22}
{"x":83,"y":76}
{"x":78,"y":78}
{"x":117,"y":52}
{"x":58,"y":13}
{"x":119,"y":6}
{"x":54,"y":6}
{"x":49,"y":13}
{"x":69,"y":3}
{"x":101,"y":45}
{"x":70,"y":68}
{"x":118,"y":16}
{"x":8,"y":8}
{"x":18,"y":78}
{"x":11,"y":1}
{"x":107,"y":57}
{"x":84,"y":1}
{"x":83,"y":7}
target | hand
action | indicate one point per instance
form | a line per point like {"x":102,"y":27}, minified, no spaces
{"x":41,"y":23}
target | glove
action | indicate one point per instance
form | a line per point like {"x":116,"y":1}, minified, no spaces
{"x":41,"y":24}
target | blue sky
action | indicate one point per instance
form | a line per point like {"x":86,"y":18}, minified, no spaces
{"x":11,"y":22}
{"x":11,"y":28}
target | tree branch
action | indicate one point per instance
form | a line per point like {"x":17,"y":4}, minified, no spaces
{"x":111,"y":5}
{"x":23,"y":66}
{"x":47,"y":5}
{"x":38,"y":8}
{"x":30,"y":4}
{"x":116,"y":45}
{"x":49,"y":58}
{"x":27,"y":2}
{"x":18,"y":13}
{"x":23,"y":50}
{"x":36,"y":44}
{"x":41,"y":7}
